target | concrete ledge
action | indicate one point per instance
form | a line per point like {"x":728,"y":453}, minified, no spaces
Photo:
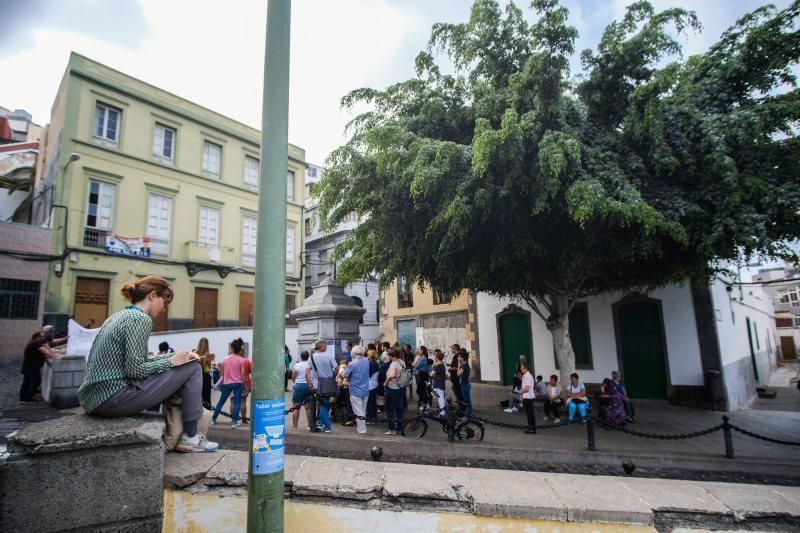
{"x":84,"y":473}
{"x":503,"y":493}
{"x":83,"y":432}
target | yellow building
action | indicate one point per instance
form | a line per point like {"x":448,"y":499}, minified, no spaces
{"x":427,"y":318}
{"x":139,"y":181}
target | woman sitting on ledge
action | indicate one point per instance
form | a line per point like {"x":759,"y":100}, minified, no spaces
{"x":121,"y":381}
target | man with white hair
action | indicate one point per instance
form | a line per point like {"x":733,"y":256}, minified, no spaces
{"x":357,"y":374}
{"x":49,"y":332}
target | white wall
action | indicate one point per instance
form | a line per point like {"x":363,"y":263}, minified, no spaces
{"x":733,"y":308}
{"x":218,"y":339}
{"x":683,"y":348}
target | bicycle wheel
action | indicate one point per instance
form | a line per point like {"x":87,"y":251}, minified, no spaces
{"x":415,"y":428}
{"x":469,"y":430}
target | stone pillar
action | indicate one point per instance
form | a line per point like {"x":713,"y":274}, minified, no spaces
{"x":328,"y":314}
{"x":61,"y":379}
{"x":82,"y":473}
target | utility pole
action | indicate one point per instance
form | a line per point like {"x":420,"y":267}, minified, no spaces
{"x":265,"y":478}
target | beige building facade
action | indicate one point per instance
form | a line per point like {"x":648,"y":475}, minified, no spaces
{"x":139,"y":181}
{"x":410,"y":315}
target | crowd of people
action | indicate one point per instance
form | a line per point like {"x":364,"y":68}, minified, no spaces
{"x":615,"y":408}
{"x":122,"y":378}
{"x":365,"y":381}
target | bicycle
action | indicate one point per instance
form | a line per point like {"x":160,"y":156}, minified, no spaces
{"x":464,"y":427}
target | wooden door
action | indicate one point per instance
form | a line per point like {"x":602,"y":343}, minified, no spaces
{"x":205,"y":308}
{"x":788,"y":349}
{"x":515,"y":340}
{"x":160,"y":323}
{"x":91,"y":301}
{"x":246,"y":300}
{"x":641,"y":343}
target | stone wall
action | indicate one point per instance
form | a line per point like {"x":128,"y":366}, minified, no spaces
{"x":84,"y":473}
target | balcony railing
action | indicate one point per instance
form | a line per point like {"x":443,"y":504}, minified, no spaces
{"x":95,"y":237}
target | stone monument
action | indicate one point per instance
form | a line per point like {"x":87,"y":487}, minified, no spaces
{"x":328,"y":314}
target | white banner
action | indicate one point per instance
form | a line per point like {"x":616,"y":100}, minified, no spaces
{"x":138,"y":246}
{"x":80,"y":339}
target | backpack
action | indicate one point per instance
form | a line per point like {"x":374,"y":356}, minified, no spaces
{"x":404,"y":379}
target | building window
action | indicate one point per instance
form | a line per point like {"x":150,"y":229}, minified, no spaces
{"x":291,"y":304}
{"x":289,"y":249}
{"x":290,"y":186}
{"x":357,"y":301}
{"x":312,"y":172}
{"x":19,"y":298}
{"x":208,"y":232}
{"x":212,"y":156}
{"x":440,"y":298}
{"x":252,"y":170}
{"x":159,"y":221}
{"x":99,"y":212}
{"x":789,"y":296}
{"x":308,"y":227}
{"x":785,"y":322}
{"x":249,"y":242}
{"x":164,"y":143}
{"x":405,"y":296}
{"x":579,"y":335}
{"x":106,"y":122}
{"x":796,"y":322}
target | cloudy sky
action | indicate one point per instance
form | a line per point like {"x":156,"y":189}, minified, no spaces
{"x":211,"y":52}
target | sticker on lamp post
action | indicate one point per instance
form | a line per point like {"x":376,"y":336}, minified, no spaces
{"x":268,"y":422}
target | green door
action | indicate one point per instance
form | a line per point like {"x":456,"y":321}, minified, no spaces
{"x":642,"y":350}
{"x":407,"y":333}
{"x":515,"y":340}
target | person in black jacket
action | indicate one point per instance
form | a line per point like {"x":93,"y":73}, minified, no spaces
{"x":454,"y":380}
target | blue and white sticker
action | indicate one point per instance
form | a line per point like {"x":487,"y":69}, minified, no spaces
{"x":269,"y":421}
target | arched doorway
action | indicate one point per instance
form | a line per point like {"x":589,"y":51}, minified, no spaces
{"x":514,"y":338}
{"x":641,"y":349}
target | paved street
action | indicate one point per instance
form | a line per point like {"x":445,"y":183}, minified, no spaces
{"x":561,"y":449}
{"x":565,"y":448}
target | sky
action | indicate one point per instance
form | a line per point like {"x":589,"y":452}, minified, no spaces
{"x":211,"y":52}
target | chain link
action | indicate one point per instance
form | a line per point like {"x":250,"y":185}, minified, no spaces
{"x":760,"y":437}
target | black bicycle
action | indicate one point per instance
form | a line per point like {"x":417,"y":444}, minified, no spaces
{"x":464,"y":427}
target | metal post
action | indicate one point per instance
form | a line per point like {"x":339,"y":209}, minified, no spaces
{"x":590,"y":433}
{"x":265,"y":478}
{"x":726,"y":431}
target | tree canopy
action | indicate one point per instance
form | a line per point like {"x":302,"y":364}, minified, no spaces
{"x":509,"y":176}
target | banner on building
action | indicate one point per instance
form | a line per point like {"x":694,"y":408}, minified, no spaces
{"x":136,"y":246}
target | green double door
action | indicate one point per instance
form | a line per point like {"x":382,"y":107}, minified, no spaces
{"x":515,"y":340}
{"x":641,"y":345}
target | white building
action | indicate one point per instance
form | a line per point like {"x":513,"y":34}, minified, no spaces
{"x":670,"y":344}
{"x":319,"y":249}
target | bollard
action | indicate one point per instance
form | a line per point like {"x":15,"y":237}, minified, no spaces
{"x":451,"y":424}
{"x":590,"y":433}
{"x":726,"y":430}
{"x":313,"y":411}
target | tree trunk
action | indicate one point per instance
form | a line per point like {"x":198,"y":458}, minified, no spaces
{"x":558,"y":324}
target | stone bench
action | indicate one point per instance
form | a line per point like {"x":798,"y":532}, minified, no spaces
{"x":84,"y":473}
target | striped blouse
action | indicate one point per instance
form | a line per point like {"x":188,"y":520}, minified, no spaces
{"x":118,"y":357}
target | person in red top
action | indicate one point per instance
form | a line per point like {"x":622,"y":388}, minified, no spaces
{"x":232,"y":381}
{"x":36,"y":352}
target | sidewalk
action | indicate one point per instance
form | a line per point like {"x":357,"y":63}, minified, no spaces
{"x":350,"y":487}
{"x":564,"y":449}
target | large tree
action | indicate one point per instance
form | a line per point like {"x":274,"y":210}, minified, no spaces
{"x":508,"y":176}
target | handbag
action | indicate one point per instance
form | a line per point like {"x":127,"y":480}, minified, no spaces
{"x":326,"y":386}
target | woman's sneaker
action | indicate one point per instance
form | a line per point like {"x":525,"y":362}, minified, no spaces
{"x":198,"y":443}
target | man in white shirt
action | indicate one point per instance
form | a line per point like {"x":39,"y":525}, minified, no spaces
{"x":528,"y":395}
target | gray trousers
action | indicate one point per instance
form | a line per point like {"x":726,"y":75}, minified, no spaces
{"x":186,"y":381}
